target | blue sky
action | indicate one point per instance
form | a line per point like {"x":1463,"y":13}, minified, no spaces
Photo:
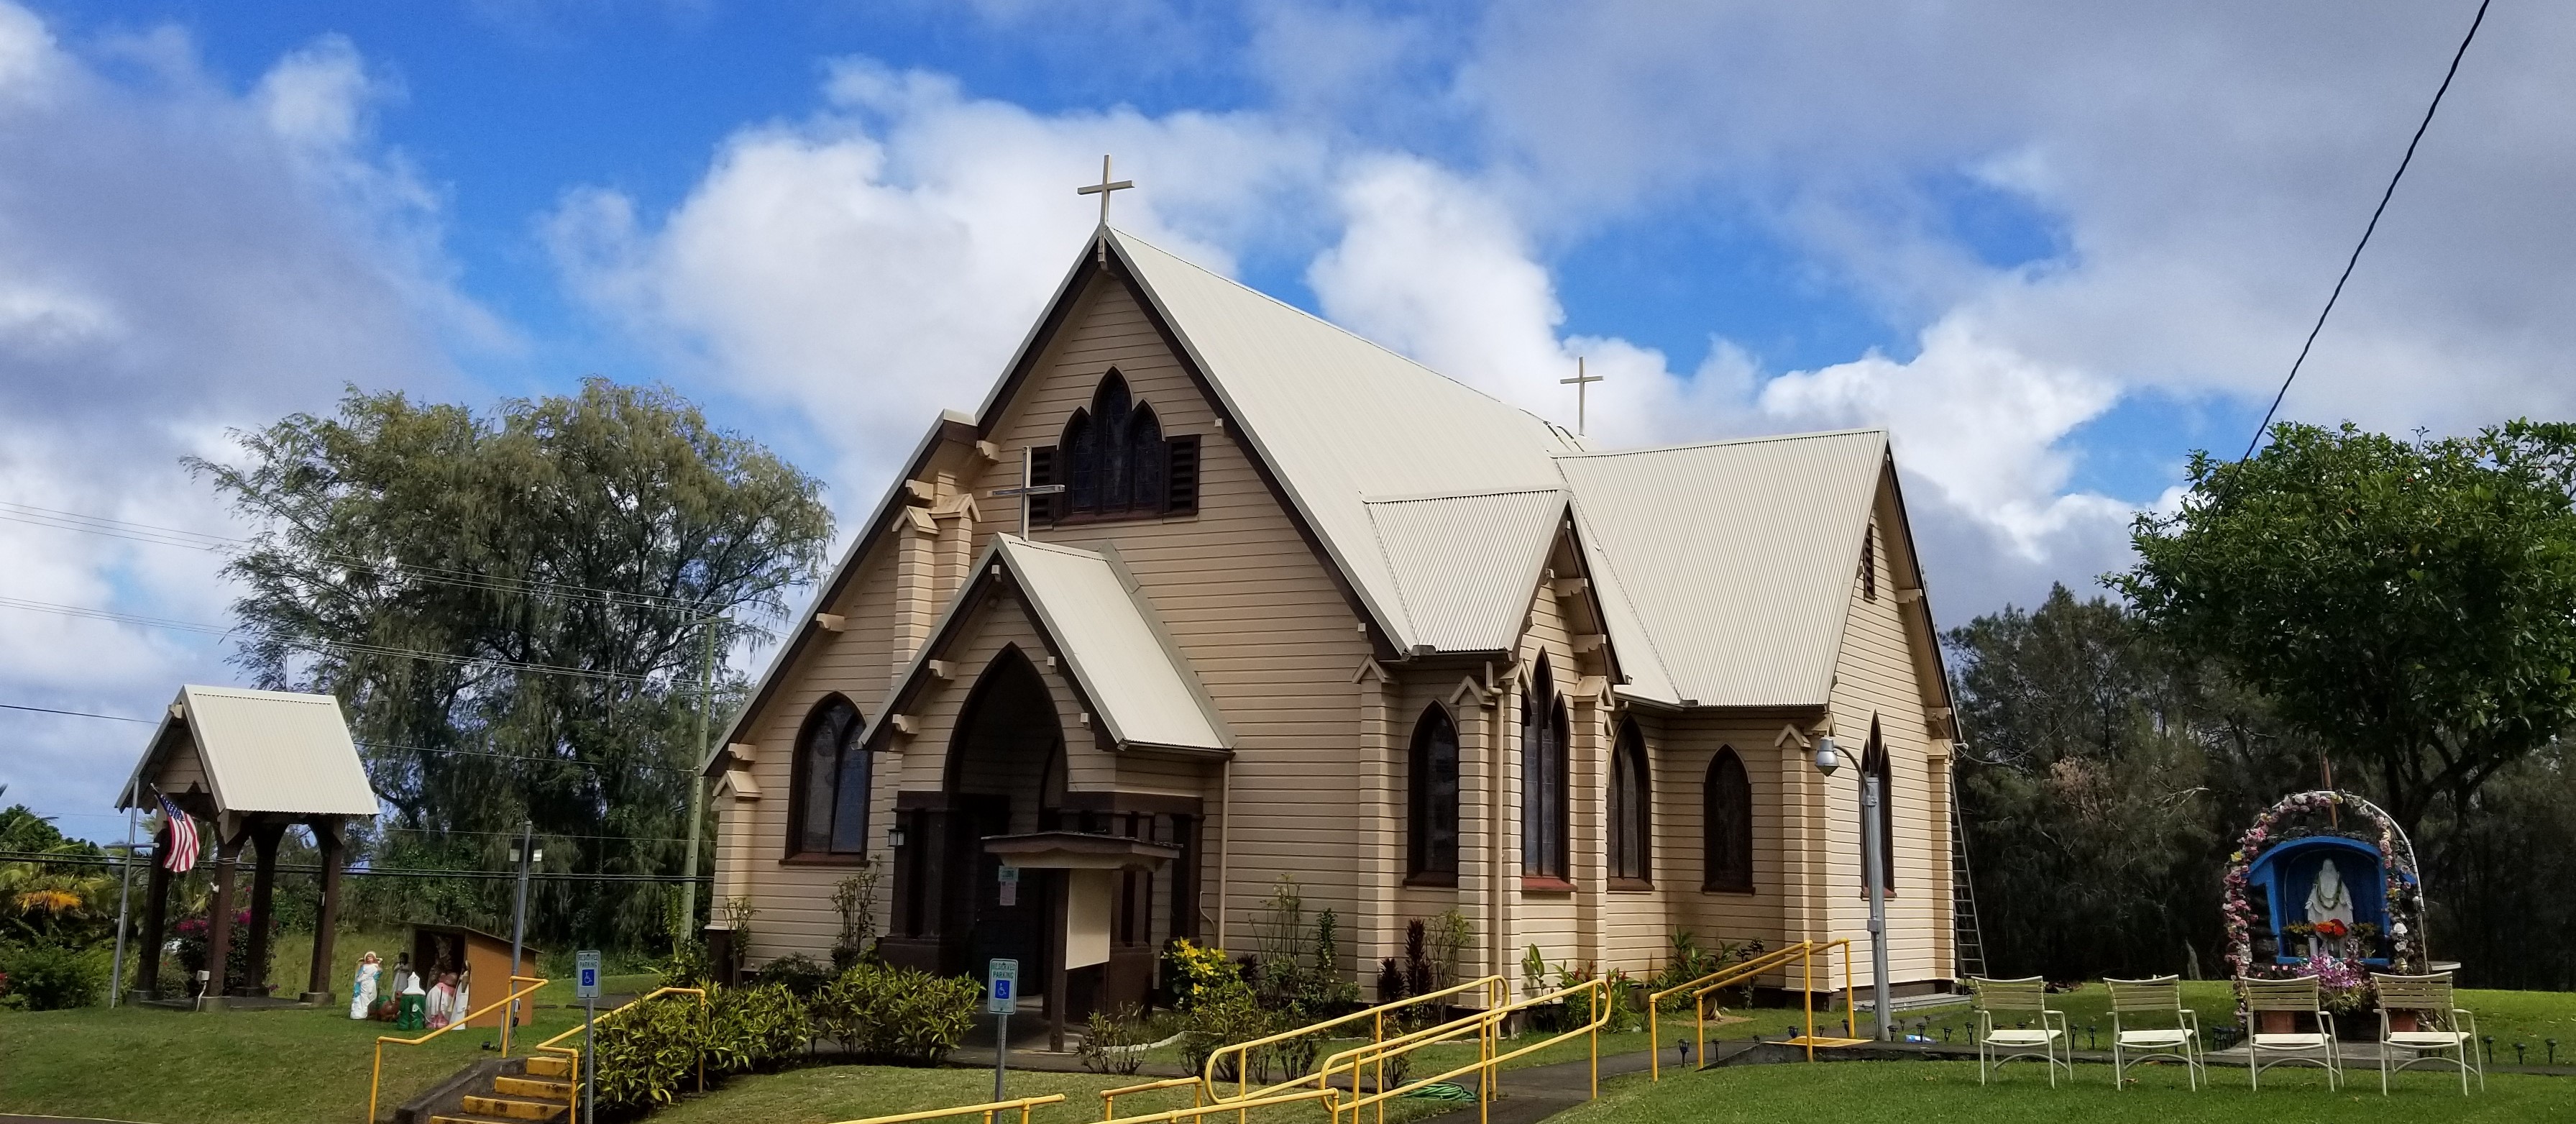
{"x":2051,"y":249}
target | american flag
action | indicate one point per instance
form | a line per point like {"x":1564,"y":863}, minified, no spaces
{"x":183,"y":839}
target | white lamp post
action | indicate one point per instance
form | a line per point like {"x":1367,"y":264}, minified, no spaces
{"x":1828,"y":759}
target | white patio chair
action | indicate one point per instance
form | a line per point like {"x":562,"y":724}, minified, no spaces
{"x":2137,"y":1045}
{"x":2055,"y":1045}
{"x":2440,"y":1028}
{"x":2295,"y":996}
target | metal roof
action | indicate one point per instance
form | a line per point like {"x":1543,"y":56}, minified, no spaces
{"x":1108,"y":633}
{"x":1732,"y":560}
{"x":1464,"y":566}
{"x":264,"y":751}
{"x":1339,"y":418}
{"x":1096,"y":618}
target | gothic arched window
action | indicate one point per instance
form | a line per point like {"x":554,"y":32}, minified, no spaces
{"x":828,"y":795}
{"x":1727,"y":824}
{"x":1874,"y":763}
{"x":1431,"y":799}
{"x":1544,"y":795}
{"x":1115,"y":462}
{"x":1631,"y":808}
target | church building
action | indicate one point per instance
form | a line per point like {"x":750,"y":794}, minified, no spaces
{"x":1208,"y":591}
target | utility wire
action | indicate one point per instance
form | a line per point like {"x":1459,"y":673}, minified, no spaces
{"x":362,"y":872}
{"x":58,"y":519}
{"x":342,"y":646}
{"x":2375,"y":212}
{"x":529,"y":758}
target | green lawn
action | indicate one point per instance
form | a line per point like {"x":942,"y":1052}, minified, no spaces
{"x":263,"y":1067}
{"x":824,"y":1094}
{"x":1941,"y":1092}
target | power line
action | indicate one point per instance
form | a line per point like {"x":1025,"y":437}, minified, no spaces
{"x":77,"y":713}
{"x":529,"y":758}
{"x":59,"y":519}
{"x":341,"y":646}
{"x":2375,"y":212}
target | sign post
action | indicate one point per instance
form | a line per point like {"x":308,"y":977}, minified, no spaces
{"x":1002,"y":1001}
{"x":585,"y":987}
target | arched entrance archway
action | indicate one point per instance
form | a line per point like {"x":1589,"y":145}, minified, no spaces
{"x":1005,"y":776}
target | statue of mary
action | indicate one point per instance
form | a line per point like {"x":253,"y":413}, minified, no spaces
{"x":362,"y":989}
{"x":2328,"y":900}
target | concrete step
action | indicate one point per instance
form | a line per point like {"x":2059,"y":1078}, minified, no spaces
{"x":550,"y":1065}
{"x":452,"y":1118}
{"x":534,"y":1088}
{"x":515,"y":1109}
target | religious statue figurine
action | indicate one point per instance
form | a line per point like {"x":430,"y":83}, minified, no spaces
{"x":362,"y":990}
{"x":442,"y":1001}
{"x":464,"y":994}
{"x":2328,"y":900}
{"x":406,"y":981}
{"x":411,"y":1006}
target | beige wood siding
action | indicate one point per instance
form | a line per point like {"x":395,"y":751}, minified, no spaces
{"x":1879,"y":673}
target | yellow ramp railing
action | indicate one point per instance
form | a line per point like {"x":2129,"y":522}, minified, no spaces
{"x":555,"y":1044}
{"x":1727,"y":976}
{"x":1807,"y":951}
{"x":1241,"y":1052}
{"x":987,"y":1109}
{"x":1487,"y":1026}
{"x":375,"y":1079}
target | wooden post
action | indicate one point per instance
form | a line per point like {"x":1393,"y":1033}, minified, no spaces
{"x":1060,"y":887}
{"x":219,"y":928}
{"x":156,"y":916}
{"x":263,"y":896}
{"x":326,"y":923}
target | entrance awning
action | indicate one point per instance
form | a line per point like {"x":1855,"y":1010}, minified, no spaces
{"x":1074,"y":850}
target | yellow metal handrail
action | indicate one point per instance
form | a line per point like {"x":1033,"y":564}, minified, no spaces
{"x":1727,"y":976}
{"x":1488,"y":1025}
{"x":1806,"y":951}
{"x":573,"y":1053}
{"x":1242,"y":1051}
{"x":1024,"y":1104}
{"x":1330,"y":1097}
{"x":376,"y":1078}
{"x":1109,"y":1097}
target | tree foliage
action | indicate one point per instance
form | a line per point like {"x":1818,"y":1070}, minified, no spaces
{"x":515,"y":609}
{"x":2407,"y":602}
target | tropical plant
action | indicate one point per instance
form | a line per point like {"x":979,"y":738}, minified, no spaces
{"x":1113,"y":1042}
{"x":51,"y":977}
{"x":642,"y":1056}
{"x":888,"y":1014}
{"x":800,"y":974}
{"x":855,"y":899}
{"x":753,"y":1028}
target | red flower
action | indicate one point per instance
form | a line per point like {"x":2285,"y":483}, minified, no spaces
{"x":2331,"y":929}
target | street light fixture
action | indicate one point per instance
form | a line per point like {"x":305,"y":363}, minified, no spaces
{"x":1828,"y":759}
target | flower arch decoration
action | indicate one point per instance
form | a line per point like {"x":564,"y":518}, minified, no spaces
{"x":2404,"y":895}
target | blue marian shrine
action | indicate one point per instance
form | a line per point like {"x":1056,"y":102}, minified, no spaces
{"x":2316,"y":878}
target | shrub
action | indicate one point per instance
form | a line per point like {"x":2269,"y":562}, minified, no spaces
{"x":882,"y":1013}
{"x":1220,"y":1015}
{"x":645,"y":1053}
{"x":1195,"y":969}
{"x":754,"y":1027}
{"x":690,"y":965}
{"x":1112,"y":1042}
{"x":798,"y":973}
{"x":196,"y":933}
{"x":47,"y":977}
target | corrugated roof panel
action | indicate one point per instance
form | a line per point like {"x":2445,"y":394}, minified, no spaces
{"x":277,"y":751}
{"x":1734,"y":560}
{"x":1143,"y":686}
{"x":1340,"y":418}
{"x":1466,"y":566}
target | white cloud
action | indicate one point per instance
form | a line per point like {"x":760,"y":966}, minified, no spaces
{"x":176,"y":258}
{"x":877,"y":262}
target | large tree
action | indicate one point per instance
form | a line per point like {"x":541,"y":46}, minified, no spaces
{"x":2410,"y":603}
{"x":516,"y":609}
